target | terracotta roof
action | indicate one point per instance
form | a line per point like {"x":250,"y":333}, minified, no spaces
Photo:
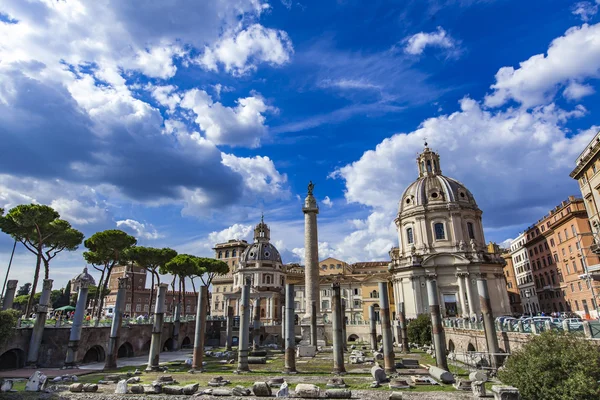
{"x":370,"y":264}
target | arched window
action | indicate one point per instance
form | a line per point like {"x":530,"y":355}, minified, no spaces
{"x":227,"y":254}
{"x":409,"y":236}
{"x":268,"y":278}
{"x":428,"y":166}
{"x":233,"y":253}
{"x":220,"y":254}
{"x":470,"y":230}
{"x":440,"y":234}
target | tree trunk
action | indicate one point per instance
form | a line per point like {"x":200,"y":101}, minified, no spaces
{"x":151,"y":292}
{"x":46,"y":268}
{"x":183,"y":284}
{"x":36,"y":277}
{"x":103,"y":290}
{"x":194,"y":287}
{"x":98,"y":289}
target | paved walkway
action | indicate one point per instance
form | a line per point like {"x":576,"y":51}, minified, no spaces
{"x":95,"y":367}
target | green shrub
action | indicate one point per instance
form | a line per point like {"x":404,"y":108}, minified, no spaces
{"x":8,"y":321}
{"x":555,"y":366}
{"x":419,"y":330}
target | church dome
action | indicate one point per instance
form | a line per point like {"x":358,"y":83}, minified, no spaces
{"x":84,"y":277}
{"x":432,"y":188}
{"x":261,"y":249}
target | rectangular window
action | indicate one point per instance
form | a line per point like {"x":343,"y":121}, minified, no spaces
{"x":409,"y":236}
{"x":579,"y":286}
{"x":325,"y":304}
{"x":546,"y":245}
{"x":297,"y":305}
{"x":576,"y":305}
{"x":551,"y":242}
{"x":577,"y":245}
{"x":356,"y":303}
{"x":594,"y":168}
{"x":570,"y":249}
{"x":356,"y":292}
{"x":574,"y":267}
{"x":573,"y":230}
{"x":563,"y":252}
{"x":566,"y":235}
{"x":470,"y":230}
{"x":572,"y":288}
{"x":559,"y":238}
{"x":440,"y":234}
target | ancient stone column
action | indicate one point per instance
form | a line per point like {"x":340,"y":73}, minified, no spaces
{"x":113,"y":340}
{"x":290,"y":336}
{"x":437,"y":330}
{"x":403,"y":329}
{"x":40,"y":322}
{"x":256,"y":325}
{"x":472,"y":308}
{"x":75,"y":335}
{"x":344,"y":337}
{"x":159,"y":318}
{"x":313,"y":325}
{"x":464,"y":310}
{"x":311,"y":253}
{"x":491,"y":338}
{"x":9,"y":295}
{"x":338,"y":340}
{"x":176,"y":327}
{"x":386,"y":329}
{"x":229,"y":329}
{"x":201,"y":309}
{"x":244,"y":326}
{"x":283,"y":326}
{"x":373,"y":327}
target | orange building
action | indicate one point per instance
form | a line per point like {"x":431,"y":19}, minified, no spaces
{"x":568,"y":233}
{"x":514,"y":297}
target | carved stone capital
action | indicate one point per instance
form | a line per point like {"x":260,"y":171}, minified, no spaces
{"x":462,"y":274}
{"x":414,"y":277}
{"x":123,"y":283}
{"x":47,"y":284}
{"x":84,"y":284}
{"x":431,"y":277}
{"x":12,"y":284}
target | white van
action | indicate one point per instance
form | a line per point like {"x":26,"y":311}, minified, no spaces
{"x":109,"y":312}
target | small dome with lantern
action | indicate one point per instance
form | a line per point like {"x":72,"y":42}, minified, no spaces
{"x":261,"y":250}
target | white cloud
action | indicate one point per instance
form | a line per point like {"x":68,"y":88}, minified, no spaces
{"x":242,"y":125}
{"x":141,"y":230}
{"x":417,"y":43}
{"x":259,"y":174}
{"x":585,"y":10}
{"x":576,"y":91}
{"x":356,"y":84}
{"x":236,"y":231}
{"x":241,"y":51}
{"x":575,"y":56}
{"x":327,"y":201}
{"x":77,"y":212}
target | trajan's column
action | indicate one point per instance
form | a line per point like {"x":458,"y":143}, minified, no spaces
{"x":311,"y":255}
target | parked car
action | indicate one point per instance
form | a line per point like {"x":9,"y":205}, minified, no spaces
{"x":109,"y":312}
{"x":574,"y":323}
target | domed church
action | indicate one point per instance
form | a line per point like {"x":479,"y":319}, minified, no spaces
{"x":261,"y":263}
{"x":440,"y":236}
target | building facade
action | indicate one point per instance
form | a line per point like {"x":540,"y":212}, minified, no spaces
{"x":440,"y":236}
{"x":230,"y":253}
{"x":514,"y":295}
{"x":523,"y":275}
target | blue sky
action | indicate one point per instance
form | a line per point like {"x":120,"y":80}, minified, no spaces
{"x":181,"y":122}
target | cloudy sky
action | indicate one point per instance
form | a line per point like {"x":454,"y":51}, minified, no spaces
{"x":182,"y":121}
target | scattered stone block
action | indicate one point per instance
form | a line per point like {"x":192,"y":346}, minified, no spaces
{"x":423,"y":380}
{"x":395,"y":396}
{"x":258,"y":353}
{"x":276,"y":382}
{"x":90,"y":387}
{"x":221,"y":392}
{"x":6,"y":386}
{"x":218,"y":381}
{"x":165,"y":378}
{"x":307,"y":391}
{"x":152,"y":389}
{"x":399,"y":384}
{"x":410,"y":363}
{"x":103,"y":382}
{"x":505,"y":393}
{"x":113,"y":378}
{"x":190,"y":389}
{"x":338,"y":393}
{"x":136,"y":389}
{"x":478,"y":376}
{"x":478,"y":389}
{"x":36,"y":383}
{"x":261,"y":389}
{"x":283,"y":391}
{"x":378,"y":374}
{"x":441,"y":374}
{"x":178,"y":390}
{"x":462,"y":384}
{"x":337,"y":383}
{"x":137,"y":372}
{"x":356,"y":359}
{"x":121,"y":387}
{"x":207,"y":392}
{"x":75,"y":387}
{"x":377,"y":355}
{"x":134,"y":379}
{"x":257,"y":360}
{"x":306,"y":351}
{"x":241,"y":391}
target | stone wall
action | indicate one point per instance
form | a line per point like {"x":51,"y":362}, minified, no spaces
{"x":136,"y":339}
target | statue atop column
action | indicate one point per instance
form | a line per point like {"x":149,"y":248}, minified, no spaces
{"x":311,"y":187}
